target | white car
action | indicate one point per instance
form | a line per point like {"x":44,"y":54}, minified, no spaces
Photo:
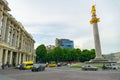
{"x":114,"y":67}
{"x":89,"y":68}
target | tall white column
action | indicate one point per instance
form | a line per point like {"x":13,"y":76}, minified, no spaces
{"x":97,"y":40}
{"x":94,"y":21}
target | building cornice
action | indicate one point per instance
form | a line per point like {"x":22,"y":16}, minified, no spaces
{"x":13,"y":20}
{"x":5,"y":3}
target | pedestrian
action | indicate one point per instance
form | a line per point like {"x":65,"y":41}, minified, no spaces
{"x":3,"y":66}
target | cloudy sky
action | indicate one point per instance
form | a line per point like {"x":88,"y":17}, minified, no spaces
{"x":47,"y":20}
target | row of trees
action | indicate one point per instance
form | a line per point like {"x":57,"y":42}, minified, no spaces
{"x":59,"y":55}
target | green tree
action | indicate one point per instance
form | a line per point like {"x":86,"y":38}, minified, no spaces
{"x":75,"y":53}
{"x":50,"y":56}
{"x":78,"y":52}
{"x":66,"y":56}
{"x":87,"y":55}
{"x":41,"y":53}
{"x":92,"y":51}
{"x":58,"y":54}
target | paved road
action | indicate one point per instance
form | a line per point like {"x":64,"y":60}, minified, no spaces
{"x":61,"y":73}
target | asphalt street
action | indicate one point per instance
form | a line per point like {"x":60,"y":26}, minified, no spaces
{"x":60,"y":73}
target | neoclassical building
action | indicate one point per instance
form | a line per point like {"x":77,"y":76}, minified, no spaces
{"x":16,"y":44}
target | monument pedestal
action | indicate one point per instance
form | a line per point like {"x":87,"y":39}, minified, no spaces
{"x":99,"y":61}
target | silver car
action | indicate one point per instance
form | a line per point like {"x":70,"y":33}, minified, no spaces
{"x":89,"y":68}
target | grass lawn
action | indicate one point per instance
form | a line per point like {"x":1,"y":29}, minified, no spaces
{"x":75,"y":66}
{"x":79,"y":66}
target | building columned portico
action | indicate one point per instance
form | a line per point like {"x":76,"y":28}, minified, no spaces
{"x":16,"y":44}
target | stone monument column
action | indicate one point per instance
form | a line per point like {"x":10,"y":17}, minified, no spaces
{"x":98,"y":59}
{"x":94,"y":21}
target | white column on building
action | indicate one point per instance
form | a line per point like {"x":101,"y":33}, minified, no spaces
{"x":11,"y":35}
{"x":15,"y":37}
{"x":19,"y":58}
{"x":6,"y":56}
{"x":24,"y":57}
{"x":4,"y":22}
{"x":18,"y":40}
{"x":33,"y":58}
{"x":7,"y":31}
{"x":1,"y":17}
{"x":11,"y":57}
{"x":27,"y":57}
{"x":1,"y":56}
{"x":22,"y":40}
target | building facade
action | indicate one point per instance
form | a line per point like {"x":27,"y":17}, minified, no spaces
{"x":113,"y":57}
{"x":16,"y":44}
{"x":64,"y":43}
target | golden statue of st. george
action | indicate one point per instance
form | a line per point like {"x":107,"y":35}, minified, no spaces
{"x":93,"y":11}
{"x":94,"y":18}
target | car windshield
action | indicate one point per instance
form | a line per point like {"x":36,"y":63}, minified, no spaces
{"x":36,"y":65}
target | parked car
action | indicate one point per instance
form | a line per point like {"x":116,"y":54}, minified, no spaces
{"x":89,"y":68}
{"x":59,"y":64}
{"x":115,"y":67}
{"x":26,"y":65}
{"x":107,"y":67}
{"x":21,"y":67}
{"x":38,"y":67}
{"x":18,"y":66}
{"x":52,"y":64}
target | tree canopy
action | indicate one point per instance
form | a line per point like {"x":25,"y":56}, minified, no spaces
{"x":41,"y":53}
{"x":60,"y":55}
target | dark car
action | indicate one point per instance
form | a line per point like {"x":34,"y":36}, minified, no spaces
{"x":89,"y":68}
{"x":59,"y":64}
{"x":21,"y":67}
{"x":38,"y":67}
